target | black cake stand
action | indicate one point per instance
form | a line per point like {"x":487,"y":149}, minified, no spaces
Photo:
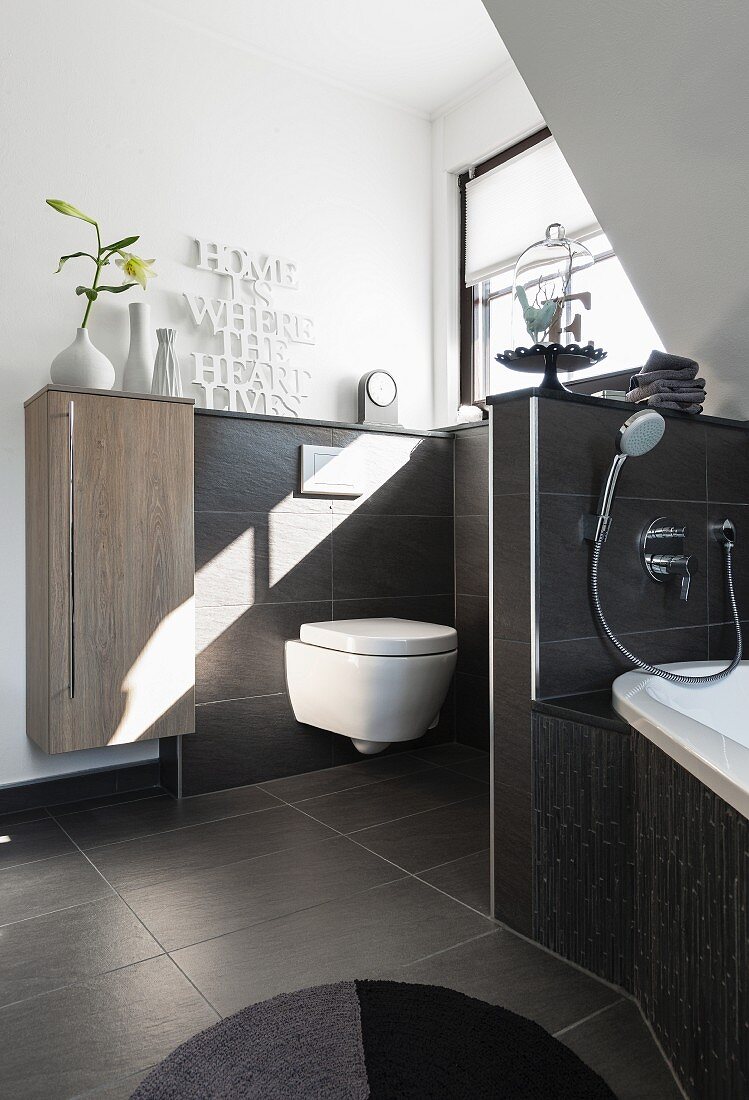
{"x":551,"y":358}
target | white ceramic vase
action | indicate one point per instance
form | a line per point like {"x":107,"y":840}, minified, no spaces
{"x":82,"y":365}
{"x":166,"y":376}
{"x":138,"y":373}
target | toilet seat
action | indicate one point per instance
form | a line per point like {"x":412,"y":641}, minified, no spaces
{"x":381,"y":637}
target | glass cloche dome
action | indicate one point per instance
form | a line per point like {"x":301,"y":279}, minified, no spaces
{"x":548,"y":293}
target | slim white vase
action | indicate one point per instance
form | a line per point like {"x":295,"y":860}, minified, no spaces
{"x":166,"y":376}
{"x":138,"y":373}
{"x":82,"y":365}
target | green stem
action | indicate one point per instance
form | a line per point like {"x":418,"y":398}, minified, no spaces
{"x":99,"y":266}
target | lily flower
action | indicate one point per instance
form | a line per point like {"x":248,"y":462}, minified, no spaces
{"x":136,"y":268}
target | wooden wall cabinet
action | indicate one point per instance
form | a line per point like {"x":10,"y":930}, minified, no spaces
{"x":110,"y":629}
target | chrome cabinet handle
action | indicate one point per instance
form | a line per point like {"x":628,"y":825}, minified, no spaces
{"x":71,"y":549}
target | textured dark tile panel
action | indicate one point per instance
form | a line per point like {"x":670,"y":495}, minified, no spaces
{"x":249,"y":741}
{"x":512,"y":569}
{"x":727,"y":464}
{"x":472,"y":624}
{"x":720,"y":607}
{"x":252,"y":466}
{"x":74,"y":1039}
{"x":392,"y":798}
{"x":166,"y":856}
{"x":472,"y":473}
{"x":472,"y":556}
{"x":472,"y":711}
{"x":592,"y":664}
{"x":618,"y":1046}
{"x":250,"y":558}
{"x":466,"y":879}
{"x":584,"y":851}
{"x":241,"y":651}
{"x":511,"y":459}
{"x":631,"y":600}
{"x":399,"y":475}
{"x":219,"y":900}
{"x":423,"y":840}
{"x":424,"y":609}
{"x":578,"y":442}
{"x":395,"y":556}
{"x":112,"y":824}
{"x":57,"y":949}
{"x":353,"y":938}
{"x":33,"y":840}
{"x":50,"y":884}
{"x":296,"y":788}
{"x":504,"y":969}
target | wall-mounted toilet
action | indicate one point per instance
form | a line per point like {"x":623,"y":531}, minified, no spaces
{"x":374,"y":680}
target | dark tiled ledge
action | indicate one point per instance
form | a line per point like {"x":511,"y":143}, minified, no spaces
{"x":390,"y":429}
{"x":592,"y":708}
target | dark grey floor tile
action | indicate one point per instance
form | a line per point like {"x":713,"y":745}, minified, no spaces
{"x":51,"y":884}
{"x":112,"y":824}
{"x":31,"y":841}
{"x":423,"y":840}
{"x":57,"y":949}
{"x":352,"y":938}
{"x":503,"y":969}
{"x":140,"y":863}
{"x":447,"y":755}
{"x":76,"y":1038}
{"x":121,"y":1089}
{"x":475,"y":769}
{"x":21,"y":817}
{"x":295,"y":788}
{"x":466,"y":879}
{"x":213,"y":902}
{"x":391,"y":799}
{"x":121,"y":797}
{"x":618,"y":1045}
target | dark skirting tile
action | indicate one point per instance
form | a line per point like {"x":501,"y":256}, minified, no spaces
{"x":472,"y":556}
{"x":512,"y":456}
{"x":399,"y":556}
{"x":76,"y":1038}
{"x":353,"y":938}
{"x":296,"y":788}
{"x":399,"y":475}
{"x":112,"y":824}
{"x":249,"y":558}
{"x":219,"y":900}
{"x":472,"y":472}
{"x":33,"y":840}
{"x":472,"y":624}
{"x":512,"y":569}
{"x":50,"y":884}
{"x":472,"y":711}
{"x":105,"y":800}
{"x":56,"y":949}
{"x":727,"y":464}
{"x":393,"y":798}
{"x":249,"y":741}
{"x":241,"y":651}
{"x":22,"y":817}
{"x":422,"y":840}
{"x":252,"y":465}
{"x":466,"y":879}
{"x":142,"y":863}
{"x":67,"y":788}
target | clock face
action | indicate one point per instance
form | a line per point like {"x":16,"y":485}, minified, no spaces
{"x":381,"y":388}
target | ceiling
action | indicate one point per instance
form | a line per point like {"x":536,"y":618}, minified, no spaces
{"x":418,"y":54}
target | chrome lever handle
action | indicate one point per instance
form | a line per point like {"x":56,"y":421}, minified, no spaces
{"x":661,"y":566}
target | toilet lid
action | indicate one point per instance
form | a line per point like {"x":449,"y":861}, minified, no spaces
{"x":381,"y":637}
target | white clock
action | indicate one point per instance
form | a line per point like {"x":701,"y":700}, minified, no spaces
{"x":378,"y":398}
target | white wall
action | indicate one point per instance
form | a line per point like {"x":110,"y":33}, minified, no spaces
{"x":649,"y":103}
{"x":154,"y":128}
{"x":496,"y":116}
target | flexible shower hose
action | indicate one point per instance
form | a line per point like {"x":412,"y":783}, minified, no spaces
{"x":653,"y":670}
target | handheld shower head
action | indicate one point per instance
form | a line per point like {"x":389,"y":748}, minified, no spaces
{"x":637,"y":435}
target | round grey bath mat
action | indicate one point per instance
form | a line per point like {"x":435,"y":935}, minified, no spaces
{"x":385,"y":1040}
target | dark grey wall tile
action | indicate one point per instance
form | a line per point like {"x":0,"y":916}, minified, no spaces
{"x":727,"y":464}
{"x":722,"y":644}
{"x":252,"y":465}
{"x":472,"y":473}
{"x":241,"y":651}
{"x":512,"y":568}
{"x":392,"y":556}
{"x":400,"y":475}
{"x":424,"y":609}
{"x":511,"y":459}
{"x":472,"y":624}
{"x":472,"y":711}
{"x":576,"y":444}
{"x":249,"y":741}
{"x":472,"y":555}
{"x":631,"y":599}
{"x":720,"y":606}
{"x":250,"y":558}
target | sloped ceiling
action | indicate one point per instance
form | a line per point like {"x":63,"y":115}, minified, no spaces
{"x":649,"y":101}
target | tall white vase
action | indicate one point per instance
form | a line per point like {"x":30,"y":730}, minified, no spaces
{"x":82,"y":365}
{"x":166,"y":376}
{"x":138,"y":374}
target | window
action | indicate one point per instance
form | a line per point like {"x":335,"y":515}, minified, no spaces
{"x":507,"y":203}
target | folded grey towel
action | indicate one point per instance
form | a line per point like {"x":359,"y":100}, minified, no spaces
{"x":681,"y":391}
{"x":662,"y":367}
{"x":662,"y":402}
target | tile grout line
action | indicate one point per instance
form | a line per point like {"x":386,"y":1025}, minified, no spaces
{"x":591,"y":1016}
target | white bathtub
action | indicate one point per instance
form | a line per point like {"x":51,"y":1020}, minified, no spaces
{"x":705,"y":729}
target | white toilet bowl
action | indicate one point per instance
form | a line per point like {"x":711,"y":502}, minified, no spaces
{"x":374,"y":680}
